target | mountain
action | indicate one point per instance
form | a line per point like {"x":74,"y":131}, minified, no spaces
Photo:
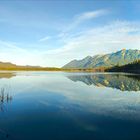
{"x":120,"y":58}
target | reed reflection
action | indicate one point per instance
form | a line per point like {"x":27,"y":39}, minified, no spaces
{"x":4,"y":98}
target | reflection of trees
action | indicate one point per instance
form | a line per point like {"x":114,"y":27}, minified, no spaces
{"x":118,"y":81}
{"x":4,"y":97}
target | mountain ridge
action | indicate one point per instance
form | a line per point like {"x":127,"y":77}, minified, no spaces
{"x":120,"y":58}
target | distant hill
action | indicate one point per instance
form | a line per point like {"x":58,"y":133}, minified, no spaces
{"x":133,"y":67}
{"x":10,"y":66}
{"x":108,"y":60}
{"x":6,"y":65}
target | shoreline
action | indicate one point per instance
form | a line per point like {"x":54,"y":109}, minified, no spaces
{"x":71,"y":71}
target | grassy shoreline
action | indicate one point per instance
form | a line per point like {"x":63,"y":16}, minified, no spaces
{"x":53,"y":69}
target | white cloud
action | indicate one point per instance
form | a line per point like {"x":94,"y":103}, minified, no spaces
{"x":6,"y":45}
{"x":98,"y":40}
{"x":44,"y":39}
{"x":101,"y":39}
{"x":91,"y":14}
{"x":104,"y":39}
{"x":78,"y":19}
{"x":12,"y":53}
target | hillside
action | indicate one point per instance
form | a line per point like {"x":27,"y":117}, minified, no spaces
{"x":108,"y":60}
{"x":133,"y":67}
{"x":6,"y":65}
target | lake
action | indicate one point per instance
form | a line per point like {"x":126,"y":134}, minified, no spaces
{"x":69,"y":106}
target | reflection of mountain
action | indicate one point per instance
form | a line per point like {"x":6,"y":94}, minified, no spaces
{"x":118,"y":81}
{"x":7,"y":75}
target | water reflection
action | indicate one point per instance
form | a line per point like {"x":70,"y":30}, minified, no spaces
{"x":122,"y":82}
{"x":4,"y":98}
{"x":7,"y":75}
{"x":47,"y":101}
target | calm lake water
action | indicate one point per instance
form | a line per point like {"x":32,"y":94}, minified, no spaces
{"x":69,"y":106}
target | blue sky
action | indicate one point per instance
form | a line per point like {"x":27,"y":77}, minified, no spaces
{"x":54,"y":32}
